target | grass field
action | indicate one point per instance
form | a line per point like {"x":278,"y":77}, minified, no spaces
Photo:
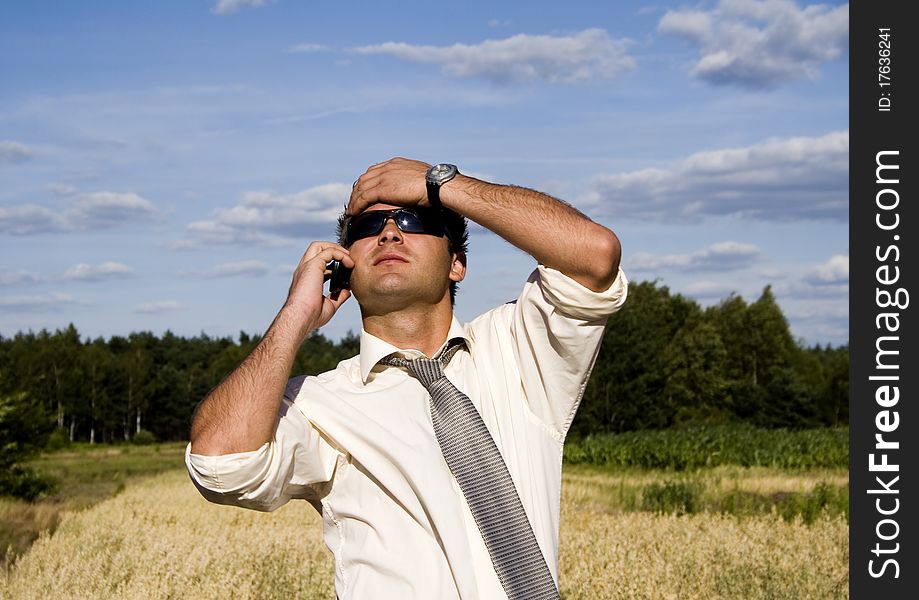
{"x":85,"y":475}
{"x":615,"y":546}
{"x":128,"y":533}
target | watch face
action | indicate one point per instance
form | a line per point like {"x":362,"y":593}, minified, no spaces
{"x":441,"y":173}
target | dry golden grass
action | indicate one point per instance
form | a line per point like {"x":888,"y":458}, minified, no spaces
{"x":704,"y":556}
{"x":22,"y":522}
{"x":159,"y":539}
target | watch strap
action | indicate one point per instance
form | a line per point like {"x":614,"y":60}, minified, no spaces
{"x":433,"y":194}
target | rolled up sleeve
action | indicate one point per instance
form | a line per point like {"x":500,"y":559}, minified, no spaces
{"x":558,"y":327}
{"x":297,"y":463}
{"x":576,"y":301}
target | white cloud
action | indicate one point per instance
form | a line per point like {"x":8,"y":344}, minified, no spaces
{"x":245,"y":268}
{"x":37,"y":303}
{"x":269,"y":219}
{"x":13,"y":152}
{"x":209,"y":232}
{"x":721,"y":256}
{"x":20,"y":277}
{"x":162,"y":306}
{"x":79,"y":272}
{"x":834,"y":271}
{"x":228,"y":7}
{"x":589,"y":54}
{"x":98,"y":210}
{"x":776,"y":180}
{"x":105,"y":209}
{"x":761,"y":43}
{"x":100,"y":272}
{"x":25,"y":219}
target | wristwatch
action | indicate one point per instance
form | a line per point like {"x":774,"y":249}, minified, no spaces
{"x":437,"y":176}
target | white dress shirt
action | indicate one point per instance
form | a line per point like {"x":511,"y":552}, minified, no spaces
{"x":358,"y":443}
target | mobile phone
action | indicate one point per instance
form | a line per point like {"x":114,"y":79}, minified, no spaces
{"x":339,"y":276}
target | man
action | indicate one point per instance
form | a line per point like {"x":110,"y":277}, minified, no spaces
{"x":365,"y":443}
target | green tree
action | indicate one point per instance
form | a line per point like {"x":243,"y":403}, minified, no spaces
{"x":770,"y":382}
{"x":97,"y":410}
{"x":833,"y":397}
{"x":772,"y":345}
{"x":730,"y":318}
{"x":138,"y":366}
{"x":694,"y":362}
{"x":626,"y":390}
{"x":24,"y":430}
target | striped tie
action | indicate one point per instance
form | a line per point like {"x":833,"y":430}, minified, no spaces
{"x":483,"y":477}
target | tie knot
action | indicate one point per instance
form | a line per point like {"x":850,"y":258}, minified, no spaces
{"x":427,"y":370}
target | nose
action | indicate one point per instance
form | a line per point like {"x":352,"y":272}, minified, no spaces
{"x":390,"y":232}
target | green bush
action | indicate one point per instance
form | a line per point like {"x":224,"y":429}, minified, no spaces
{"x":23,"y":482}
{"x":58,"y":440}
{"x":143,"y":438}
{"x":677,"y":497}
{"x":809,"y":506}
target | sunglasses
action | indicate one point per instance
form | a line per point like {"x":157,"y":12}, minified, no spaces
{"x":408,"y":220}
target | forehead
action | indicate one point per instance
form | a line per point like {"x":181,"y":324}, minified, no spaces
{"x":381,"y":206}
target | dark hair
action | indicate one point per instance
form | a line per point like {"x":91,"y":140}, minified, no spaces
{"x":457,"y":235}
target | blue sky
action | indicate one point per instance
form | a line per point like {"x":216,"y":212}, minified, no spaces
{"x":165,"y":164}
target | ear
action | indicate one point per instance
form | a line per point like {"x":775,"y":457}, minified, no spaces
{"x":458,"y":267}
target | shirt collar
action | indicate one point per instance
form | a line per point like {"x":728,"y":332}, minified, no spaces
{"x":373,"y":348}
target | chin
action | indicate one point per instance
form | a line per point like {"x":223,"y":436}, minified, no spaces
{"x":381,"y":299}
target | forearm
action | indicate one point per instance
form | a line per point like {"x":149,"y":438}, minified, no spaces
{"x":241,"y":413}
{"x":554,"y":233}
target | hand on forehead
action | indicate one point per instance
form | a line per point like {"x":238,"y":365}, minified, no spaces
{"x":396,"y":182}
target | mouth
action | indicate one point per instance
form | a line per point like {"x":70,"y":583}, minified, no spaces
{"x":389,"y":258}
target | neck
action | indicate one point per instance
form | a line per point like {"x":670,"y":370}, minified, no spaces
{"x":421,"y":328}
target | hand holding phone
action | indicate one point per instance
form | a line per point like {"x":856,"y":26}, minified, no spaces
{"x":339,"y":276}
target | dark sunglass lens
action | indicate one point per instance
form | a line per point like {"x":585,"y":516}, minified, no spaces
{"x":432,"y":222}
{"x":365,"y":225}
{"x":409,"y":222}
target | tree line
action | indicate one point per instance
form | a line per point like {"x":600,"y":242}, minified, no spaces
{"x":664,"y":362}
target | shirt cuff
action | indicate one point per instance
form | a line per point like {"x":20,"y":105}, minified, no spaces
{"x":297,"y":463}
{"x":228,"y":472}
{"x":575,"y":300}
